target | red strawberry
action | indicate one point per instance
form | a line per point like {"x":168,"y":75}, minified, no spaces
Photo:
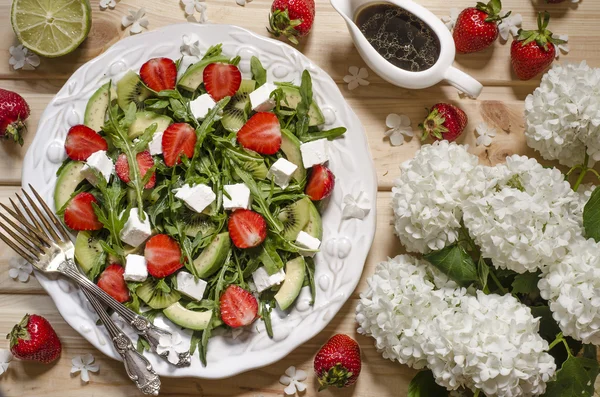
{"x":291,"y":18}
{"x":80,"y":215}
{"x":338,"y":362}
{"x":238,"y":307}
{"x":163,"y":255}
{"x":444,"y":121}
{"x":159,"y":74}
{"x":145,"y":162}
{"x":82,"y":142}
{"x":262,"y":133}
{"x":13,"y":112}
{"x":112,"y":282}
{"x":247,"y":228}
{"x":321,"y":182}
{"x":178,"y":139}
{"x":34,"y":339}
{"x":477,"y":27}
{"x":221,"y":80}
{"x":533,"y":51}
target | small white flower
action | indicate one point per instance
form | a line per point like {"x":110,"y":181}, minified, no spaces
{"x":293,"y":379}
{"x":5,"y":359}
{"x":84,"y":364}
{"x":242,"y":2}
{"x":356,"y":77}
{"x":399,"y":126}
{"x":22,"y":58}
{"x":136,"y":20}
{"x":20,"y":269}
{"x":358,"y":207}
{"x":104,"y":4}
{"x":450,"y":20}
{"x":191,"y":6}
{"x":562,"y":48}
{"x":486,"y":133}
{"x":191,"y":45}
{"x":173,"y":344}
{"x":510,"y":24}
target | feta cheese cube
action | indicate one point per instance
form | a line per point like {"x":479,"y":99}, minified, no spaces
{"x":155,"y":145}
{"x":315,"y":152}
{"x":135,"y":232}
{"x":263,"y":281}
{"x":260,"y":98}
{"x":309,"y":242}
{"x":188,"y":285}
{"x":201,"y":106}
{"x":197,"y":197}
{"x":240,"y":197}
{"x":281,"y":172}
{"x":101,"y":163}
{"x":136,"y":268}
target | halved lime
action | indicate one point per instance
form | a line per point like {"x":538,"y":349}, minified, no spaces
{"x":51,"y":28}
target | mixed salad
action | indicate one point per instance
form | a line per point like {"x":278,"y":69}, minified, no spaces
{"x":213,"y":215}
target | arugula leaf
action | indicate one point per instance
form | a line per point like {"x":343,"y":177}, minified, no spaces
{"x":269,"y":257}
{"x":306,"y":94}
{"x":329,"y":134}
{"x":259,"y":74}
{"x":196,"y":338}
{"x":263,"y":207}
{"x":526,"y":283}
{"x":142,"y":345}
{"x":456,"y":263}
{"x":575,"y":378}
{"x":591,"y":216}
{"x":265,"y":309}
{"x":423,"y":385}
{"x":310,"y":275}
{"x":142,"y":142}
{"x":98,"y":266}
{"x":213,"y":51}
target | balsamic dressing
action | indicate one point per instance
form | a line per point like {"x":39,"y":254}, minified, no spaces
{"x":399,"y":36}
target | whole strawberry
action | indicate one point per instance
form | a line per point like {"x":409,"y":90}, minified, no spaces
{"x":291,"y":18}
{"x":338,"y":362}
{"x":34,"y":339}
{"x":445,"y":121}
{"x":13,"y":112}
{"x":533,"y":50}
{"x":477,"y":27}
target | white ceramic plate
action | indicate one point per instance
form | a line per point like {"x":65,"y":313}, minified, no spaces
{"x":346,"y":242}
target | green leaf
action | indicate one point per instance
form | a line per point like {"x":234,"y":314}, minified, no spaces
{"x":423,"y":385}
{"x":142,"y":345}
{"x":591,"y":216}
{"x":526,"y":283}
{"x":329,"y":134}
{"x":575,"y":378}
{"x":265,"y":314}
{"x":259,"y":74}
{"x":483,"y":272}
{"x":98,"y":266}
{"x":269,"y":257}
{"x":310,"y":274}
{"x":196,"y":338}
{"x":456,"y":263}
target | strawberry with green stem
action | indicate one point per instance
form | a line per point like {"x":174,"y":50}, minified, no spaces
{"x":477,"y":27}
{"x":338,"y":362}
{"x":291,"y":18}
{"x":444,"y":121}
{"x":34,"y":339}
{"x":13,"y":113}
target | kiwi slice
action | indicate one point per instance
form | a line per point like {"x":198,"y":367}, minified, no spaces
{"x":198,"y":224}
{"x":314,"y":227}
{"x":87,"y":250}
{"x":131,"y":89}
{"x":155,"y":297}
{"x":235,"y":114}
{"x":294,"y":218}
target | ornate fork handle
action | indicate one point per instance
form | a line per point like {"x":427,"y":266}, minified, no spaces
{"x":140,"y":324}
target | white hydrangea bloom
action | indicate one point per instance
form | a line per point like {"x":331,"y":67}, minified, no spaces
{"x":571,"y":287}
{"x":428,"y":195}
{"x":528,"y":220}
{"x":562,"y":116}
{"x":486,"y":342}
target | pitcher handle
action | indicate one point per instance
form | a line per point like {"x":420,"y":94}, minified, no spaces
{"x":463,"y":82}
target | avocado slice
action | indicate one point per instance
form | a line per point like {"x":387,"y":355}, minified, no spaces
{"x":95,"y":111}
{"x":213,"y":256}
{"x":294,"y":278}
{"x":293,"y":98}
{"x":314,"y":227}
{"x":87,"y":250}
{"x":145,"y":119}
{"x":290,"y":146}
{"x":190,"y":319}
{"x":68,"y":180}
{"x":194,"y":75}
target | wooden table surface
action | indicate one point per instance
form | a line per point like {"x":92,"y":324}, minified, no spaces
{"x":329,"y":46}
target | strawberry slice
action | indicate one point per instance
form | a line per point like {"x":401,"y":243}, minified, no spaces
{"x":82,"y":142}
{"x":221,"y":80}
{"x":163,"y":255}
{"x":159,"y":74}
{"x":112,"y":282}
{"x":80,"y":215}
{"x":145,"y":162}
{"x":262,"y":133}
{"x":320,"y":183}
{"x":247,"y":228}
{"x":178,"y":139}
{"x":238,"y":307}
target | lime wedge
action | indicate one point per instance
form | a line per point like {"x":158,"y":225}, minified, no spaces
{"x":51,"y":28}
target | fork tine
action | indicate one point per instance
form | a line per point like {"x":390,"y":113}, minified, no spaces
{"x":39,"y":213}
{"x":51,"y":215}
{"x":23,"y":217}
{"x":25,"y":255}
{"x":25,"y":222}
{"x":27,"y":244}
{"x":29,"y":217}
{"x":32,"y":241}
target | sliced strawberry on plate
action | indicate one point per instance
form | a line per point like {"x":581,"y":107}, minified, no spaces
{"x":321,"y":182}
{"x":178,"y":139}
{"x":145,"y":162}
{"x":112,"y":282}
{"x":238,"y":307}
{"x":262,"y":133}
{"x":163,"y":255}
{"x":159,"y":74}
{"x":80,"y":215}
{"x":82,"y":142}
{"x":221,"y":80}
{"x":247,"y":228}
